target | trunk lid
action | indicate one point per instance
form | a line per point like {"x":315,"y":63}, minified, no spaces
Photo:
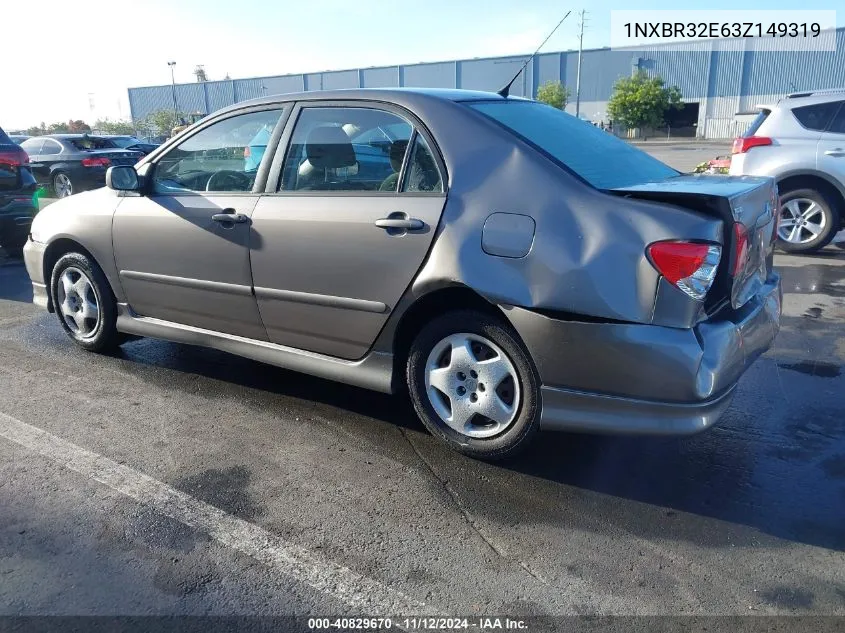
{"x":116,"y":156}
{"x":747,"y":205}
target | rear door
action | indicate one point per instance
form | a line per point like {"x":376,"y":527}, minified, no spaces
{"x":347,"y":220}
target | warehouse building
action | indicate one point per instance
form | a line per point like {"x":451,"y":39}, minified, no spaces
{"x":721,"y":80}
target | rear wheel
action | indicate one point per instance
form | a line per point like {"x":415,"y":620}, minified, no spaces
{"x":808,"y":221}
{"x":84,"y":303}
{"x":62,"y":185}
{"x":473,"y":385}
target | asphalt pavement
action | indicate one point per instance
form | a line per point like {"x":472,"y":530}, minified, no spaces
{"x":168,"y":479}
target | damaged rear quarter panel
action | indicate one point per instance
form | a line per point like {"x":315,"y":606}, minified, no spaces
{"x":588,"y":255}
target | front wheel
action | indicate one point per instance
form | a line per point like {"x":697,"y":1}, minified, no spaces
{"x":84,"y":303}
{"x":808,"y":221}
{"x":473,"y":385}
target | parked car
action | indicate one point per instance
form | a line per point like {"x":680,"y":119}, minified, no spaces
{"x":132,"y":143}
{"x":17,"y":190}
{"x":70,"y":163}
{"x":523,"y":270}
{"x":800,"y":141}
{"x":18,"y":138}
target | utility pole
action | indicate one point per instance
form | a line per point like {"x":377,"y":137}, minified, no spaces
{"x":580,"y":54}
{"x":173,"y":83}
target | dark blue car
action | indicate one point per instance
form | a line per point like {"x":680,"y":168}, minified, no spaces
{"x":17,"y":192}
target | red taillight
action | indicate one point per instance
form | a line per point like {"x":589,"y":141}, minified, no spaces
{"x":15,"y":159}
{"x":745,"y":143}
{"x":96,"y":162}
{"x":246,"y":152}
{"x":689,"y":266}
{"x":740,"y":248}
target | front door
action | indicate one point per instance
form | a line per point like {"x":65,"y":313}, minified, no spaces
{"x":353,"y":217}
{"x":182,"y":251}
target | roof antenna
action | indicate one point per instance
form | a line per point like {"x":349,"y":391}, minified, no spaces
{"x":504,"y":92}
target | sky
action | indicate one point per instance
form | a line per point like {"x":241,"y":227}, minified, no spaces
{"x":102,"y":47}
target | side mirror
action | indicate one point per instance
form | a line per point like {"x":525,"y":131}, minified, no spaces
{"x":122,"y":178}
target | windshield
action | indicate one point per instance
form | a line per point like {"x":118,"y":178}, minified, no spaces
{"x":595,"y":155}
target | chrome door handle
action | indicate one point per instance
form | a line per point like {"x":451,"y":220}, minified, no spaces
{"x":407,"y":224}
{"x":836,"y":151}
{"x":236,"y":218}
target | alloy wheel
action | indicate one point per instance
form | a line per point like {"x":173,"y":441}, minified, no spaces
{"x":472,"y":385}
{"x":802,"y":220}
{"x":78,"y":303}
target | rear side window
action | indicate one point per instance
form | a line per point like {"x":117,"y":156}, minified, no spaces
{"x":816,"y":117}
{"x":595,"y":155}
{"x":838,"y":125}
{"x":51,"y":147}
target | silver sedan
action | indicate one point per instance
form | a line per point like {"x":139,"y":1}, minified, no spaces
{"x":505,"y":265}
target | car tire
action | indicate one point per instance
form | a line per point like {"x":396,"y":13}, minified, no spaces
{"x":487,"y":348}
{"x":806,"y":205}
{"x":62,"y":185}
{"x":84,"y":303}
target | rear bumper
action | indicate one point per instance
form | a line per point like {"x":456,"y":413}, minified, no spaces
{"x":633,"y":378}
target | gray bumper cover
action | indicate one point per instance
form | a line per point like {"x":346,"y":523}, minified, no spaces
{"x":632,"y":378}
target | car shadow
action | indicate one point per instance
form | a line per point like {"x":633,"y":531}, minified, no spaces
{"x":776,"y":469}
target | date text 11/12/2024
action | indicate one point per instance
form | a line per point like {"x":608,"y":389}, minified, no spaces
{"x":418,"y":624}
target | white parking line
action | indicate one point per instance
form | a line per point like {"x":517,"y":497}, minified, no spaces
{"x":363,"y":594}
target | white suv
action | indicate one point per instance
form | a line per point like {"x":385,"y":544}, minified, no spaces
{"x":800,"y":141}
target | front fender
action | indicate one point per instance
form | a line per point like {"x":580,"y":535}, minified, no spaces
{"x":84,"y":219}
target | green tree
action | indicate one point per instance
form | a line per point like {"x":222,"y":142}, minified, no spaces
{"x":162,"y":121}
{"x":108,"y":126}
{"x":78,"y":126}
{"x":37,"y":130}
{"x":553,"y":93}
{"x":641,"y":101}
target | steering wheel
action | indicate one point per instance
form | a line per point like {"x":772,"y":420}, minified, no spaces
{"x":229,"y":180}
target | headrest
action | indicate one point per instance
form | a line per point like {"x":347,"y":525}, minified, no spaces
{"x":397,"y":154}
{"x":329,"y":146}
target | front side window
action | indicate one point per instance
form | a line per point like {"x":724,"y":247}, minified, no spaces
{"x":223,"y":157}
{"x":346,"y":149}
{"x":816,"y":117}
{"x":598,"y":157}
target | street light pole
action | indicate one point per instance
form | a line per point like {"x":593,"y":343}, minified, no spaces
{"x":173,"y":83}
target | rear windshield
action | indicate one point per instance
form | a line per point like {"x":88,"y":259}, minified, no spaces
{"x":92,"y":142}
{"x":124,"y":141}
{"x":757,"y":122}
{"x":595,"y":155}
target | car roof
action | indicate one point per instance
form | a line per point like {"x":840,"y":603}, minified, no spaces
{"x":395,"y":95}
{"x":809,"y":98}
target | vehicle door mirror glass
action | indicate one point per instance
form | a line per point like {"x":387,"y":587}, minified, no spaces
{"x":122,"y":178}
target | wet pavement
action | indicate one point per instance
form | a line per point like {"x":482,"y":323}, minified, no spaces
{"x":748,"y":517}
